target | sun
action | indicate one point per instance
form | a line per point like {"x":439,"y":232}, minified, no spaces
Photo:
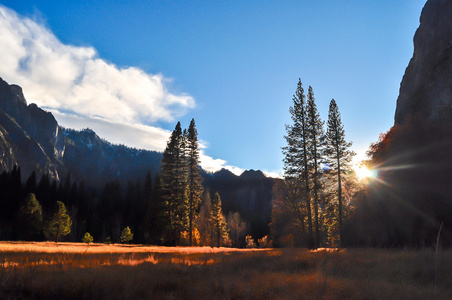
{"x":363,"y":172}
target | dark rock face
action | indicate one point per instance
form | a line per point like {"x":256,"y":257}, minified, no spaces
{"x":32,"y":138}
{"x":30,"y":135}
{"x":426,"y":87}
{"x":250,"y":194}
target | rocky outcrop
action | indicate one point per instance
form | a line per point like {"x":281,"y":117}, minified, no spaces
{"x":28,"y":134}
{"x":426,"y":87}
{"x":31,"y":138}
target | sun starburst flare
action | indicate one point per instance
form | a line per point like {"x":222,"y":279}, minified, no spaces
{"x":363,"y":172}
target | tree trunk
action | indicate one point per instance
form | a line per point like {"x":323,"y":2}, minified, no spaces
{"x":316,"y":199}
{"x":339,"y":196}
{"x":191,"y":223}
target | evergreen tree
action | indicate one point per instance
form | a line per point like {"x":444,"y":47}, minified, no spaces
{"x":204,"y":220}
{"x":59,"y":224}
{"x":147,"y":187}
{"x":126,"y":235}
{"x":296,"y":160}
{"x":110,"y":211}
{"x":128,"y":210}
{"x":195,"y":188}
{"x":30,"y":185}
{"x":87,"y":238}
{"x":155,"y":218}
{"x":339,"y":157}
{"x":174,"y":185}
{"x":219,"y":224}
{"x":315,"y":155}
{"x":29,"y":218}
{"x":43,"y":192}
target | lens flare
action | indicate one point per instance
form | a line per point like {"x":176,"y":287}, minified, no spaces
{"x":363,"y":172}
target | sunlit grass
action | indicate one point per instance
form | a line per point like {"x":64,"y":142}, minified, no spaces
{"x":78,"y":271}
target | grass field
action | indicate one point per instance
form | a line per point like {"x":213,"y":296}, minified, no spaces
{"x":78,"y":271}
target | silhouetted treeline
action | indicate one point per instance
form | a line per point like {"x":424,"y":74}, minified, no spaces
{"x":411,"y":196}
{"x":103,"y":213}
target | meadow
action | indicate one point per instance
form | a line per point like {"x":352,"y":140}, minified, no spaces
{"x":98,"y":271}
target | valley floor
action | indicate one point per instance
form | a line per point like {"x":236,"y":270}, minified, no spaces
{"x":78,"y":271}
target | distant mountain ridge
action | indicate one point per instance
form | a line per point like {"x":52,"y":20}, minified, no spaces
{"x":32,"y":138}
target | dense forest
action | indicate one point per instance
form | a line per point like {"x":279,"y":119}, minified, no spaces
{"x":181,"y":205}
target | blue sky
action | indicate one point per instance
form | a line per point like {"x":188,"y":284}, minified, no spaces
{"x":131,"y":70}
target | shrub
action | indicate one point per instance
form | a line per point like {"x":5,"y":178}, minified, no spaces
{"x":107,"y":241}
{"x":88,"y":238}
{"x":264,"y":242}
{"x":250,"y":243}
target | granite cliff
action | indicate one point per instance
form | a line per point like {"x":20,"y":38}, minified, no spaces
{"x":31,"y":138}
{"x":426,"y":87}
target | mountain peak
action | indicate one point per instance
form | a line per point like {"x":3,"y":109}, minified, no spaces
{"x":252,"y":174}
{"x":11,"y":93}
{"x":224,"y":173}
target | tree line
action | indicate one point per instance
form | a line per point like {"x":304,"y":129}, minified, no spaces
{"x":310,"y":204}
{"x":169,"y":208}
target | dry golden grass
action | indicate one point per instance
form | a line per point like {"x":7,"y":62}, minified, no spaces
{"x":78,"y":271}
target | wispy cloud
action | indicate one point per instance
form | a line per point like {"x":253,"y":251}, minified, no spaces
{"x":83,"y":90}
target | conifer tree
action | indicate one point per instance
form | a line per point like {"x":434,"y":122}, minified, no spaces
{"x":147,"y":187}
{"x":87,"y":238}
{"x":59,"y":224}
{"x":30,"y":217}
{"x":195,"y":188}
{"x":219,"y":224}
{"x":174,"y":185}
{"x":156,"y":220}
{"x":296,"y":169}
{"x":315,"y":155}
{"x":126,"y":235}
{"x":204,"y":220}
{"x":30,"y":185}
{"x":339,"y":156}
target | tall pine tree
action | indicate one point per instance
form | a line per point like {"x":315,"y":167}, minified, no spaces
{"x":296,"y":160}
{"x":315,"y":154}
{"x":174,"y":185}
{"x":195,"y":188}
{"x":339,"y":156}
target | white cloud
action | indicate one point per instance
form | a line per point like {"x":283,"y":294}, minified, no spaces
{"x":69,"y":78}
{"x":273,"y":174}
{"x":83,"y":90}
{"x":212,"y":165}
